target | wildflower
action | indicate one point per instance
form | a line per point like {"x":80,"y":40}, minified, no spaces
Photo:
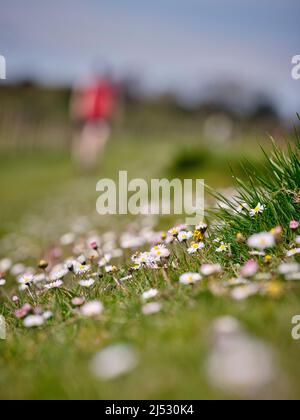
{"x":2,"y":282}
{"x":149,"y":294}
{"x":288,"y":268}
{"x":87,"y":283}
{"x":81,"y":259}
{"x":114,"y":361}
{"x":22,"y":312}
{"x":293,"y":252}
{"x":33,"y":321}
{"x":277,"y":233}
{"x":195,"y":247}
{"x":43,"y":264}
{"x":259,"y":209}
{"x":54,"y":285}
{"x":160,"y":251}
{"x":209,"y":269}
{"x":111,"y":269}
{"x":174,"y":232}
{"x":222,"y":248}
{"x":202,"y":227}
{"x":268,"y":259}
{"x":47,"y":315}
{"x":94,"y":245}
{"x":249,"y":269}
{"x":67,"y":239}
{"x":242,"y":207}
{"x":151,"y":308}
{"x":5,"y":265}
{"x":78,"y":301}
{"x":92,"y":308}
{"x":294,"y":224}
{"x":190,"y":278}
{"x":261,"y":240}
{"x":26,"y":279}
{"x":243,"y":292}
{"x":58,"y":274}
{"x":184,"y":236}
{"x":81,"y":269}
{"x":274,"y":289}
{"x":105,"y":260}
{"x":293,"y":276}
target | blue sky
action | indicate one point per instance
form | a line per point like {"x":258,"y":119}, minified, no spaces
{"x":181,"y":44}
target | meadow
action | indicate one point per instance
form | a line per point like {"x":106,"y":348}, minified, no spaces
{"x":145,"y":308}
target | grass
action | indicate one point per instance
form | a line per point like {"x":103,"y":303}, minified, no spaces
{"x":52,"y":362}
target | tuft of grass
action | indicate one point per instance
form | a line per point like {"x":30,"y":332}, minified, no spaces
{"x":277,"y":187}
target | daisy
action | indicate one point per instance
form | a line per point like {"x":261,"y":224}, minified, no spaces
{"x":195,"y":247}
{"x":249,"y":269}
{"x":160,"y":251}
{"x":151,"y":308}
{"x":294,"y":224}
{"x":259,"y":209}
{"x":288,"y":268}
{"x":58,"y":274}
{"x":80,"y":269}
{"x":114,"y":361}
{"x":293,"y":252}
{"x":47,"y":315}
{"x":25,"y":279}
{"x":210,"y":269}
{"x":149,"y":294}
{"x":91,"y":309}
{"x":222,"y":248}
{"x":184,"y":236}
{"x":53,"y":285}
{"x":190,"y":278}
{"x":242,"y":207}
{"x":261,"y":241}
{"x":33,"y":321}
{"x":87,"y":283}
{"x":2,"y":282}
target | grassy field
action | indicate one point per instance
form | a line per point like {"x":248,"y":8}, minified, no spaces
{"x":42,"y":198}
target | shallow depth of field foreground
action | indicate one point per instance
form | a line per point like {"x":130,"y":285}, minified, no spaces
{"x":143,"y":307}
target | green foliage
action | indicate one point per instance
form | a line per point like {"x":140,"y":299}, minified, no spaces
{"x":277,"y":187}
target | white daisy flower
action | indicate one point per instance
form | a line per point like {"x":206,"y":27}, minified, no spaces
{"x":243,"y":292}
{"x":2,"y":282}
{"x":149,"y":294}
{"x":5,"y":265}
{"x":25,"y":279}
{"x":114,"y":361}
{"x":105,"y":260}
{"x":293,"y":252}
{"x":160,"y":251}
{"x":190,"y":278}
{"x":58,"y":273}
{"x":259,"y":209}
{"x":151,"y":308}
{"x":47,"y":315}
{"x":185,"y":236}
{"x":53,"y":285}
{"x":33,"y":321}
{"x":92,"y":308}
{"x":87,"y":283}
{"x":209,"y":269}
{"x":262,"y":240}
{"x":288,"y":268}
{"x":195,"y":247}
{"x":222,"y":248}
{"x":80,"y":269}
{"x":242,"y":207}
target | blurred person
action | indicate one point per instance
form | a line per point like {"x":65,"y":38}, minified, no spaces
{"x":93,"y":106}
